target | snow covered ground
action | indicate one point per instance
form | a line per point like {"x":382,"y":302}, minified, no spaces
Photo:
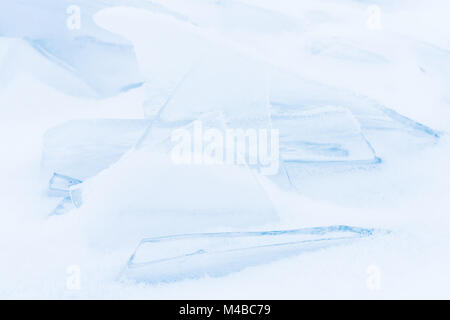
{"x":94,"y":90}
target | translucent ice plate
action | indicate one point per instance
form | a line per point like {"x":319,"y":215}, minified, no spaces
{"x":173,"y":258}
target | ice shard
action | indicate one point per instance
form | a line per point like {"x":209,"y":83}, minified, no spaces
{"x":178,"y":257}
{"x":86,"y":52}
{"x":291,"y":93}
{"x":224,"y":82}
{"x":83,"y":148}
{"x":191,"y":73}
{"x":59,"y":185}
{"x":321,"y":134}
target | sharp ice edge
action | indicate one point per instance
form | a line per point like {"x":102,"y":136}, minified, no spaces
{"x":219,"y":254}
{"x":60,"y":186}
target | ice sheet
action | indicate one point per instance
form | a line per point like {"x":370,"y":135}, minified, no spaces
{"x":89,"y":54}
{"x":83,"y":148}
{"x":321,"y":134}
{"x":172,"y":258}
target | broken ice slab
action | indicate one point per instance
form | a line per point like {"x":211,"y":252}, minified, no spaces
{"x":83,"y":148}
{"x":189,"y":73}
{"x":231,"y":17}
{"x":321,"y":134}
{"x":343,"y":50}
{"x":290,"y":93}
{"x":178,"y":257}
{"x":226,"y":82}
{"x":71,"y":201}
{"x":86,"y":52}
{"x":59,"y":185}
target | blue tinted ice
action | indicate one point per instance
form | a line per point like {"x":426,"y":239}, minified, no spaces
{"x":59,"y":185}
{"x":92,"y":55}
{"x":82,"y":148}
{"x":179,"y":257}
